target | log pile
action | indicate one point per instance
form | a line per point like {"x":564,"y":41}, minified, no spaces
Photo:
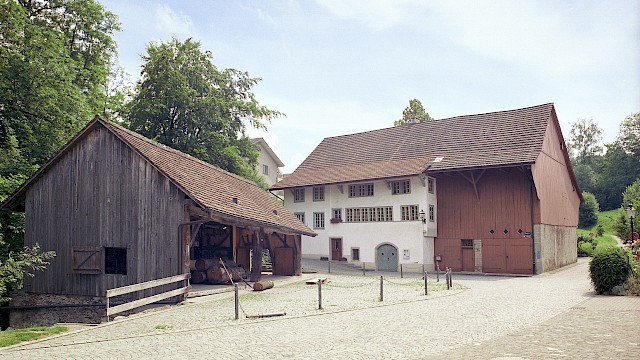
{"x":213,"y":272}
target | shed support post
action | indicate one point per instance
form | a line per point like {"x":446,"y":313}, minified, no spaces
{"x":256,"y":260}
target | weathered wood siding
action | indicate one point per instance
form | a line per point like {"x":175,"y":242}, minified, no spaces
{"x":559,"y":200}
{"x":103,"y":194}
{"x":504,"y":202}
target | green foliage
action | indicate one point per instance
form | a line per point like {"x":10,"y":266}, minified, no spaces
{"x":185,"y":102}
{"x":584,"y":140}
{"x":54,"y":62}
{"x":15,"y":264}
{"x":415,"y":112}
{"x":631,"y":195}
{"x":629,"y":137}
{"x":616,"y":170}
{"x":608,"y":268}
{"x":588,"y":214}
{"x":12,"y":337}
{"x":599,"y":230}
{"x":586,"y":245}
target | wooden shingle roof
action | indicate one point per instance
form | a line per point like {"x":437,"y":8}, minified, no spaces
{"x":212,"y":188}
{"x":494,"y":139}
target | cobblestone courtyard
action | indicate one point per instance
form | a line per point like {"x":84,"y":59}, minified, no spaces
{"x":483,"y":317}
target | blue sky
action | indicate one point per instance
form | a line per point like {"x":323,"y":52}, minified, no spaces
{"x":336,"y":67}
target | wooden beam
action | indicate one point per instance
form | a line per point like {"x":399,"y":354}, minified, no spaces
{"x":146,"y":285}
{"x":149,"y":300}
{"x":256,"y":260}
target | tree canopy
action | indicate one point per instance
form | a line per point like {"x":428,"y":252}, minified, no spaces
{"x":185,"y":102}
{"x":585,"y":139}
{"x":54,"y":61}
{"x":415,"y":112}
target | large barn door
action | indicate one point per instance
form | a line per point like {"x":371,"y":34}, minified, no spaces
{"x":512,"y":256}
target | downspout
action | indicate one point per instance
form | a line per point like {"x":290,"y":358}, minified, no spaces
{"x":533,"y":242}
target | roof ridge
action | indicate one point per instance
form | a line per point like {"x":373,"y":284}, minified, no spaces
{"x":175,"y":151}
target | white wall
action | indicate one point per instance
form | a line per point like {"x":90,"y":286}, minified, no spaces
{"x":367,"y":236}
{"x":265,"y":159}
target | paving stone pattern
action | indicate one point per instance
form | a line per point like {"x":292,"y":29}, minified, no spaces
{"x":484,"y":317}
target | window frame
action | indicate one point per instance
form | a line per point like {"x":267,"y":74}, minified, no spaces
{"x":265,"y":169}
{"x":432,"y":213}
{"x":318,"y":193}
{"x":298,"y":194}
{"x":431,"y":185}
{"x":318,"y":220}
{"x":300,"y":216}
{"x":369,"y":214}
{"x":400,"y":187}
{"x":361,"y":190}
{"x":409,"y":212}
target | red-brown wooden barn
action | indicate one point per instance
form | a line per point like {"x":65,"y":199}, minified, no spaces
{"x":496,"y":193}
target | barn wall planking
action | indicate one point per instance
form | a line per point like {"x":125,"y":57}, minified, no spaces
{"x":103,"y":194}
{"x":559,"y":200}
{"x":504,"y":204}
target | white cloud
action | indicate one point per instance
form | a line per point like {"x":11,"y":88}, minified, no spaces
{"x":377,"y":14}
{"x":169,"y":21}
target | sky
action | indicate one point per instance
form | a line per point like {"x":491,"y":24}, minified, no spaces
{"x":338,"y":67}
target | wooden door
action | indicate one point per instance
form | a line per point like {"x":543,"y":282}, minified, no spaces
{"x":494,"y":256}
{"x":468,"y":258}
{"x":519,"y":256}
{"x":336,"y":249}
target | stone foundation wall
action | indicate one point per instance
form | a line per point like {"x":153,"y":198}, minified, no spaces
{"x":555,"y":246}
{"x":40,"y":314}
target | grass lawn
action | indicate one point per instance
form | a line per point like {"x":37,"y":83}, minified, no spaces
{"x":607,"y":220}
{"x":11,"y":337}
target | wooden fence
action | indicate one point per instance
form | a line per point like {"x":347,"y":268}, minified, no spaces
{"x":148,"y":300}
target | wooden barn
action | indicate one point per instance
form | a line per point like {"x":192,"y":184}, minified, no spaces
{"x":492,"y":192}
{"x":119,"y":209}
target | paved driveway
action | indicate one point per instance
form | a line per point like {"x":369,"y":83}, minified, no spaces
{"x":546,"y":316}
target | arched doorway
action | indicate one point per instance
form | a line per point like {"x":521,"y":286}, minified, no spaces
{"x":387,"y":258}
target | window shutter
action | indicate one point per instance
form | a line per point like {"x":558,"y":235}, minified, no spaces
{"x":87,"y":260}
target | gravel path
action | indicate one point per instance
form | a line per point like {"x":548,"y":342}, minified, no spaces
{"x":460,"y":323}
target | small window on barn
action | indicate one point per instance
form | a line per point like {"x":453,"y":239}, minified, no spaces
{"x":115,"y":260}
{"x":86,"y":260}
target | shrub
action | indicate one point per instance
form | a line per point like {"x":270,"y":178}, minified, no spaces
{"x":584,"y":249}
{"x":599,"y":230}
{"x":609,"y":267}
{"x":588,"y":213}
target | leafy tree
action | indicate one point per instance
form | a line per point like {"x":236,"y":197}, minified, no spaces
{"x":585,"y":137}
{"x":617,"y":169}
{"x":185,"y":102}
{"x":415,"y":112}
{"x":588,"y":213}
{"x":53,"y":67}
{"x":586,"y":177}
{"x":629,"y":136}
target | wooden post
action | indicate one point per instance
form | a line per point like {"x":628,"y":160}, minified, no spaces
{"x":381,"y":288}
{"x":297,"y":254}
{"x":256,"y":261}
{"x":319,"y":294}
{"x":425,"y":283}
{"x":236,"y":301}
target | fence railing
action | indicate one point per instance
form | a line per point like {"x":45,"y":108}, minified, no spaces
{"x":147,"y":300}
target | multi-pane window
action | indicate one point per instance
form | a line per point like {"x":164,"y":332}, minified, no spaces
{"x":432,"y":213}
{"x":265,"y":169}
{"x":298,"y":195}
{"x":318,"y":193}
{"x":369,"y":214}
{"x":409,"y":212}
{"x":355,"y":253}
{"x":318,"y":220}
{"x":336,"y":214}
{"x":400,"y":187}
{"x":300,"y":216}
{"x":360,"y":190}
{"x":431,"y":185}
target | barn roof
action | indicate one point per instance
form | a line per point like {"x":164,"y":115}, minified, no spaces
{"x":497,"y":139}
{"x":218,"y":191}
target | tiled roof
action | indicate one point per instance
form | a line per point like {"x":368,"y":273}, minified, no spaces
{"x":463,"y":142}
{"x":206,"y":184}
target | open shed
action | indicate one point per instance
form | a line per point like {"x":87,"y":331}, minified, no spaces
{"x":119,"y":209}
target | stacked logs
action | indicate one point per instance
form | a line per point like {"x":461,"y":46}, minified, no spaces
{"x":213,"y":272}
